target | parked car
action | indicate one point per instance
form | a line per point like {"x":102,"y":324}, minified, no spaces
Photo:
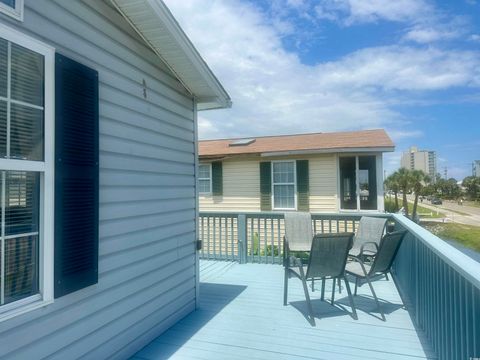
{"x":436,"y":201}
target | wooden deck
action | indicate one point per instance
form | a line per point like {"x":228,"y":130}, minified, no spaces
{"x":242,"y":316}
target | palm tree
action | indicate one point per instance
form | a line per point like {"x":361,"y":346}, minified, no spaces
{"x":404,"y":179}
{"x":418,"y":180}
{"x":391,"y":182}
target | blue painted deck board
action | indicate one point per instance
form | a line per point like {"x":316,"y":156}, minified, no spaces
{"x":241,"y":316}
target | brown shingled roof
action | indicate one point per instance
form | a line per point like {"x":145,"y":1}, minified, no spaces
{"x":374,"y":140}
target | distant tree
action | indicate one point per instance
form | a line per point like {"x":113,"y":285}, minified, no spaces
{"x":404,"y":177}
{"x":391,"y":183}
{"x":418,"y":181}
{"x":472,"y":187}
{"x":428,"y":190}
{"x":448,"y":189}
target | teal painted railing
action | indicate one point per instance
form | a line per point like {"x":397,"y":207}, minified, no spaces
{"x":439,"y":285}
{"x":441,"y":288}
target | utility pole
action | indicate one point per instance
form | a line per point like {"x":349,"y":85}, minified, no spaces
{"x":445,"y":173}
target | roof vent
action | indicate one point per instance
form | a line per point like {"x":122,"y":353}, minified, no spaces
{"x":242,"y":142}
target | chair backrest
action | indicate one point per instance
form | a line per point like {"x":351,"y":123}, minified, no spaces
{"x":298,"y":231}
{"x":328,"y":255}
{"x":370,"y":229}
{"x":387,"y":251}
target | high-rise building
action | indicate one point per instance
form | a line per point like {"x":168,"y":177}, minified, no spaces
{"x":424,"y":160}
{"x":476,"y":168}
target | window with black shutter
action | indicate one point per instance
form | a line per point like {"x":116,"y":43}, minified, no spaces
{"x":26,"y":169}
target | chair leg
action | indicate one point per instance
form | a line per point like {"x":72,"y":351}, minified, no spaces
{"x":376,"y":299}
{"x":313,"y":285}
{"x":339,"y":286}
{"x":285,"y":287}
{"x":356,"y":285}
{"x":350,"y":298}
{"x":323,"y":289}
{"x":309,"y":304}
{"x":386,"y":276}
{"x":334,"y":281}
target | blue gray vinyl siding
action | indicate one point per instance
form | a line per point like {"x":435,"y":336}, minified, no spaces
{"x":147,"y":194}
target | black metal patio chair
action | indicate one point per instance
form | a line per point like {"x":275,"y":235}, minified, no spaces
{"x":327,"y":259}
{"x":382,"y":263}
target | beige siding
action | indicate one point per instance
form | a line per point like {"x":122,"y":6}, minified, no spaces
{"x":323,"y":183}
{"x":241,"y":188}
{"x":241,"y":184}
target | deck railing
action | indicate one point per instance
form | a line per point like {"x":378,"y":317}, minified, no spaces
{"x":258,"y":237}
{"x":439,"y":285}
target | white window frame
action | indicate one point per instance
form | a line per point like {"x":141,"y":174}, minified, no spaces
{"x":379,"y":182}
{"x":294,"y":184}
{"x":209,"y":178}
{"x":46,"y":170}
{"x":16,"y":13}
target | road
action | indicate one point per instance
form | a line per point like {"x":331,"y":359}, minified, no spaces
{"x":462,"y":214}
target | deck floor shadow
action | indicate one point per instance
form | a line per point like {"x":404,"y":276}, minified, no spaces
{"x":242,"y":316}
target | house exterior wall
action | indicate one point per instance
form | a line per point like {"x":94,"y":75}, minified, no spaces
{"x":147,"y":194}
{"x":241,"y":184}
{"x":241,"y":188}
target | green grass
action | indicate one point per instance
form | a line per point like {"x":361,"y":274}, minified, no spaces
{"x":423,"y":212}
{"x":466,"y":235}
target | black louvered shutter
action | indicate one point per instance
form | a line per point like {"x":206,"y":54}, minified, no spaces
{"x":303,"y":185}
{"x":217,"y":178}
{"x":266,"y":186}
{"x":76,"y":176}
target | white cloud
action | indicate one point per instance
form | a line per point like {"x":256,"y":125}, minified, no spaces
{"x":475,"y":37}
{"x":398,"y":135}
{"x":391,"y":162}
{"x":366,"y":11}
{"x":404,"y":68}
{"x":274,"y":93}
{"x":424,"y":35}
{"x":426,"y":23}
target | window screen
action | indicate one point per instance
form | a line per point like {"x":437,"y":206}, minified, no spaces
{"x":348,"y":194}
{"x":20,"y":229}
{"x":21,"y":138}
{"x":367,"y":181}
{"x":284,"y":185}
{"x":204,"y":178}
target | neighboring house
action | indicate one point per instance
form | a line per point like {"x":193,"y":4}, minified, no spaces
{"x":322,"y":172}
{"x":98,"y":109}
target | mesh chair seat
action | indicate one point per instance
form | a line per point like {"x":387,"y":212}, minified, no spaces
{"x":355,"y":268}
{"x":366,"y":252}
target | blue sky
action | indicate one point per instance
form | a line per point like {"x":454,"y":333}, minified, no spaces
{"x":292,"y":66}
